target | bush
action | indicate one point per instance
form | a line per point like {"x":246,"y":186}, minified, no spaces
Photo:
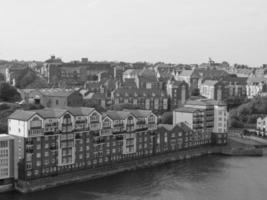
{"x":4,"y":106}
{"x":8,"y":93}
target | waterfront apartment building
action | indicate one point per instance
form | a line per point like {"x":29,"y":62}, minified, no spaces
{"x":49,"y":142}
{"x":6,"y":160}
{"x":207,"y":116}
{"x":208,"y":108}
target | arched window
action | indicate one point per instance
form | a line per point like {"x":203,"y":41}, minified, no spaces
{"x":106,"y":123}
{"x":36,"y":123}
{"x":67,"y":119}
{"x":94,"y":117}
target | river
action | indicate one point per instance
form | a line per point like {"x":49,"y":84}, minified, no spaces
{"x":204,"y":178}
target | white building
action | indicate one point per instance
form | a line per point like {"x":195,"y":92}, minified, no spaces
{"x":255,"y":86}
{"x":261,"y":126}
{"x":6,"y":159}
{"x":220,"y":118}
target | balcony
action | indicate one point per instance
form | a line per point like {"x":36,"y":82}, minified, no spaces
{"x":36,"y":131}
{"x":29,"y":149}
{"x":119,"y":137}
{"x":99,"y":140}
{"x":81,"y":127}
{"x":106,"y":131}
{"x":140,"y":122}
{"x":152,"y":126}
{"x":118,"y":125}
{"x":95,"y":126}
{"x":141,"y":127}
{"x":118,"y":130}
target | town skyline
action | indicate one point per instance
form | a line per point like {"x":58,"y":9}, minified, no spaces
{"x":132,"y":31}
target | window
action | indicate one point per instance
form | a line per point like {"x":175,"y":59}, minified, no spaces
{"x":106,"y":123}
{"x":57,"y":102}
{"x":94,"y":117}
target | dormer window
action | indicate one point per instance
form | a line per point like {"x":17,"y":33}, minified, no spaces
{"x":36,"y":123}
{"x":106,"y":123}
{"x":94,"y":117}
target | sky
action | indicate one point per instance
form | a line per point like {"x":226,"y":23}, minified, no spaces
{"x":172,"y":31}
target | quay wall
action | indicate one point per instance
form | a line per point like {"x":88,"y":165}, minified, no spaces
{"x":114,"y":168}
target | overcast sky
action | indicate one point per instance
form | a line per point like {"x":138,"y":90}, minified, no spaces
{"x":178,"y":31}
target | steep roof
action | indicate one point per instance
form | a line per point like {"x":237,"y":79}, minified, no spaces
{"x":210,"y":82}
{"x":209,"y":73}
{"x":139,"y":113}
{"x":117,"y":115}
{"x":80,"y":111}
{"x":21,"y":115}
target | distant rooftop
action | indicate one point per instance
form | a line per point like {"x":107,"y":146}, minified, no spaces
{"x":187,"y":109}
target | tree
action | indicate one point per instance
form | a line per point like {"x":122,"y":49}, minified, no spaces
{"x":8,"y":93}
{"x":166,"y":118}
{"x":195,"y":92}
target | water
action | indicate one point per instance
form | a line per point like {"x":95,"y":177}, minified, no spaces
{"x":204,"y":178}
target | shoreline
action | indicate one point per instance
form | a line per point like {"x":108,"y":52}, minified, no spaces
{"x":123,"y":166}
{"x":114,"y":168}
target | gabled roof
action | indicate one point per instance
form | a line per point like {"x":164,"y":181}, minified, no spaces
{"x":117,"y":115}
{"x":210,"y":82}
{"x":80,"y":111}
{"x":51,"y":112}
{"x":139,"y":113}
{"x":22,"y":115}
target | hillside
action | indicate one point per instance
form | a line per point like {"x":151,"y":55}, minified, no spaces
{"x":246,"y":114}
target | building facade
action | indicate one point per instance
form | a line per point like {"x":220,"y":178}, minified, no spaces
{"x":178,"y":91}
{"x":55,"y":98}
{"x":6,"y":159}
{"x":261,"y":126}
{"x":148,"y":99}
{"x":55,"y":141}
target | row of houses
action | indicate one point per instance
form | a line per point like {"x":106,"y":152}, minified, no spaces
{"x":52,"y":141}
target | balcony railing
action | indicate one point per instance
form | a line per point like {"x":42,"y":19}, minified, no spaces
{"x":95,"y":126}
{"x":66,"y":124}
{"x":36,"y":131}
{"x":106,"y":132}
{"x":141,"y":122}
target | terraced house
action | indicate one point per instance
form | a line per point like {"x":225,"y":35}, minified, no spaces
{"x":148,"y":99}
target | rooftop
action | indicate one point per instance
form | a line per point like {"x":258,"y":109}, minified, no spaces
{"x":5,"y":137}
{"x":186,"y":109}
